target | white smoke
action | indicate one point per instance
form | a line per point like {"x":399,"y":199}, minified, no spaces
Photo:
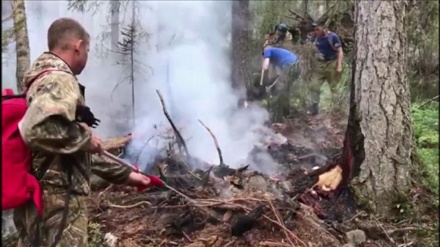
{"x":191,"y":41}
{"x":101,"y":73}
{"x":188,"y":51}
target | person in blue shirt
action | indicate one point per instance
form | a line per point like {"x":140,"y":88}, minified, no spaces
{"x":286,"y":67}
{"x":329,"y":66}
{"x":278,"y":57}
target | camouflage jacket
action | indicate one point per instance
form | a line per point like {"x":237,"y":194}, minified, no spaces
{"x":50,"y":130}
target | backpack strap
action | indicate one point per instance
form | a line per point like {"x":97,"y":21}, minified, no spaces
{"x":67,"y":164}
{"x":9,"y":93}
{"x":45,"y":167}
{"x":43,"y":72}
{"x":15,"y":96}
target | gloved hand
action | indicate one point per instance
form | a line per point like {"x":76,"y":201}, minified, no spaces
{"x":154,"y":181}
{"x":83,"y":114}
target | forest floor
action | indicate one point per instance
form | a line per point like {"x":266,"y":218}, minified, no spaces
{"x":304,"y":218}
{"x":283,"y":208}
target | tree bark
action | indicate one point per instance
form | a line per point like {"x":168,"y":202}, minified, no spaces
{"x":241,"y":34}
{"x":379,"y":131}
{"x":22,"y":41}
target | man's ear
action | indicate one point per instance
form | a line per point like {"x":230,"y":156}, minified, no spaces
{"x":78,"y":45}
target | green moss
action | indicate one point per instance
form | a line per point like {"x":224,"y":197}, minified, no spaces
{"x":425,"y":212}
{"x":426,"y":132}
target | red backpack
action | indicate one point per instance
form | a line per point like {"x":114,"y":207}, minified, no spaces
{"x":18,"y":184}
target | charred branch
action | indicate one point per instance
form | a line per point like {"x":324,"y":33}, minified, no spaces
{"x":244,"y":223}
{"x":180,"y":139}
{"x":217,"y":146}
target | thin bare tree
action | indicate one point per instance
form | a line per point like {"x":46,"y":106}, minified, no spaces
{"x":22,"y":41}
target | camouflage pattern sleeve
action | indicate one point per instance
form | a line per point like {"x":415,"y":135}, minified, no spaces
{"x":49,"y":123}
{"x":109,"y":170}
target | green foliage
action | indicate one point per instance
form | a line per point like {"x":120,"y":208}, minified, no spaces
{"x":96,"y":237}
{"x":422,"y":27}
{"x":426,"y":131}
{"x":273,"y":12}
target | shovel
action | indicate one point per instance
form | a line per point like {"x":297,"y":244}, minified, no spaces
{"x":275,"y":81}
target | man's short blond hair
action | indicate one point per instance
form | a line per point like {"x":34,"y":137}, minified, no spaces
{"x":62,"y":30}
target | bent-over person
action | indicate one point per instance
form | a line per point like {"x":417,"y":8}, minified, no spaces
{"x":286,"y":66}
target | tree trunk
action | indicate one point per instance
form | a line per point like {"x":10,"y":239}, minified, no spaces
{"x":305,"y":7}
{"x":241,"y":34}
{"x":379,"y":131}
{"x":22,"y":41}
{"x":114,"y":9}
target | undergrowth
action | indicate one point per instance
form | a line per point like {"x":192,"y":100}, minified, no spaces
{"x":426,"y":131}
{"x":424,"y":210}
{"x":95,"y":235}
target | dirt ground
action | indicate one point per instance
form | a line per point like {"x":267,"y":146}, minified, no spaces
{"x":164,"y":219}
{"x":247,"y":208}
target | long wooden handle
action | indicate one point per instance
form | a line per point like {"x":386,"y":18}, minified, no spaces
{"x":261,"y":78}
{"x":117,"y":159}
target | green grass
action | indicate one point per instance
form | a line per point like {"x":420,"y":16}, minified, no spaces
{"x":426,"y":130}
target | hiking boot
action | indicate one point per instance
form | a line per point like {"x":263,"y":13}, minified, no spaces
{"x":314,"y":109}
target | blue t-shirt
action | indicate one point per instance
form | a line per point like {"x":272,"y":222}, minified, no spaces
{"x":280,"y":57}
{"x":325,"y":47}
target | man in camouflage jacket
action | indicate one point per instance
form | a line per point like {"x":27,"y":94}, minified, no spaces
{"x":61,"y":144}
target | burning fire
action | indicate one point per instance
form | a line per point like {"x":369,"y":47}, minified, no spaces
{"x":330,"y":180}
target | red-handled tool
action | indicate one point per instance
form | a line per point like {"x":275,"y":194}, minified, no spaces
{"x":154,"y":181}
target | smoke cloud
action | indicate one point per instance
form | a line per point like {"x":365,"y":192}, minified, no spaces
{"x":188,"y":54}
{"x":192,"y":70}
{"x":101,"y":73}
